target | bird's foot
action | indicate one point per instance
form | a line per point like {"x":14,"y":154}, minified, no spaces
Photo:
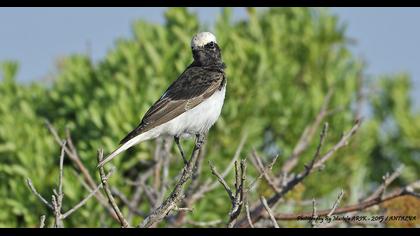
{"x":201,"y":138}
{"x":181,"y":150}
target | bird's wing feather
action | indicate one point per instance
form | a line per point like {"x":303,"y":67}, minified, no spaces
{"x":192,"y":87}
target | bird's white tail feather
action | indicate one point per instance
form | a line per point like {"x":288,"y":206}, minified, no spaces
{"x":123,"y":147}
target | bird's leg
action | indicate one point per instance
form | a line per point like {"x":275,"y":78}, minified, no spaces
{"x":201,"y":138}
{"x":176,"y":138}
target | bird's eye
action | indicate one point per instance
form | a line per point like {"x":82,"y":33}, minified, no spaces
{"x":211,"y":45}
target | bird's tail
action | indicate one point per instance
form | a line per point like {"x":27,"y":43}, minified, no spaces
{"x":137,"y":139}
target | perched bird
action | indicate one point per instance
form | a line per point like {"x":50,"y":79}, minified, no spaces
{"x":191,"y":104}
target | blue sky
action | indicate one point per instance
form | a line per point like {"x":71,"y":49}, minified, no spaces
{"x":386,"y":37}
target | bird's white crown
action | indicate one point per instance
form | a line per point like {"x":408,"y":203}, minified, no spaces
{"x":202,"y":39}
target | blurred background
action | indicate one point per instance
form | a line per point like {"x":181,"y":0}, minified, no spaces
{"x":95,"y":71}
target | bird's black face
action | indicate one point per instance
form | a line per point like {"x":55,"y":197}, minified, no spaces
{"x":209,"y":54}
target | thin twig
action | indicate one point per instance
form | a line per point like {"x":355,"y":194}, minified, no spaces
{"x":336,"y":203}
{"x":270,"y":213}
{"x":204,"y":224}
{"x":342,"y":143}
{"x":258,"y":210}
{"x":307,"y":135}
{"x":314,"y":214}
{"x":58,"y":223}
{"x":60,"y":178}
{"x":248,"y":216}
{"x":159,"y":213}
{"x":42,"y":222}
{"x":351,"y":208}
{"x":74,"y":157}
{"x":263,"y":172}
{"x":90,"y":195}
{"x":222,"y":181}
{"x":108,"y":193}
{"x":387,"y":180}
{"x":32,"y":188}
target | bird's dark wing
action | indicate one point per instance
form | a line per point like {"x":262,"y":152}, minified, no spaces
{"x":192,"y":87}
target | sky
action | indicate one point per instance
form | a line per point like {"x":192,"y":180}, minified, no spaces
{"x":387,"y":38}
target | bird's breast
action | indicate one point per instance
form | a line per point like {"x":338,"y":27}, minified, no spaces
{"x":200,"y":118}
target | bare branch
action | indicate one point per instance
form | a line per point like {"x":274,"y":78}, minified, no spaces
{"x":176,"y":208}
{"x":135,"y":200}
{"x":387,"y":180}
{"x":270,"y":213}
{"x":257,"y":212}
{"x":263,"y":173}
{"x":74,"y":157}
{"x":248,"y":216}
{"x":108,"y":193}
{"x":314,"y":214}
{"x":159,"y":213}
{"x":351,"y":208}
{"x":342,"y":143}
{"x":32,"y":188}
{"x":42,"y":222}
{"x":58,"y":223}
{"x":222,"y":181}
{"x":60,"y":178}
{"x":90,"y":195}
{"x":132,"y":209}
{"x":237,"y":202}
{"x":307,"y":135}
{"x":205,"y":224}
{"x":336,"y":203}
{"x":232,"y":162}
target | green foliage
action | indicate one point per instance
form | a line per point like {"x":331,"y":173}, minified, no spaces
{"x":280,"y":64}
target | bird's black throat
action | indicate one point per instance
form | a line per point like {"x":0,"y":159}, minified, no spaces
{"x":208,"y":57}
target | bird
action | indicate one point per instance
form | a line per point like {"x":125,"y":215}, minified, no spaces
{"x":191,"y":104}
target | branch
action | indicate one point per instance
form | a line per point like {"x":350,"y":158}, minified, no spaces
{"x":125,"y":200}
{"x":270,"y":213}
{"x":57,"y":199}
{"x":314,"y":214}
{"x":336,"y":203}
{"x":40,"y":197}
{"x":263,"y":173}
{"x":135,"y":200}
{"x":237,"y":198}
{"x":197,"y":190}
{"x":205,"y":224}
{"x":108,"y":193}
{"x":257,"y":212}
{"x":58,"y":222}
{"x":342,"y":143}
{"x":74,"y":157}
{"x":387,"y":180}
{"x":240,"y":173}
{"x":351,"y":208}
{"x":307,"y":135}
{"x":42,"y":221}
{"x":248,"y":216}
{"x":222,"y":181}
{"x":170,"y":203}
{"x":90,"y":195}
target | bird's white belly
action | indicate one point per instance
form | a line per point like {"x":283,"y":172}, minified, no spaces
{"x":197,"y":120}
